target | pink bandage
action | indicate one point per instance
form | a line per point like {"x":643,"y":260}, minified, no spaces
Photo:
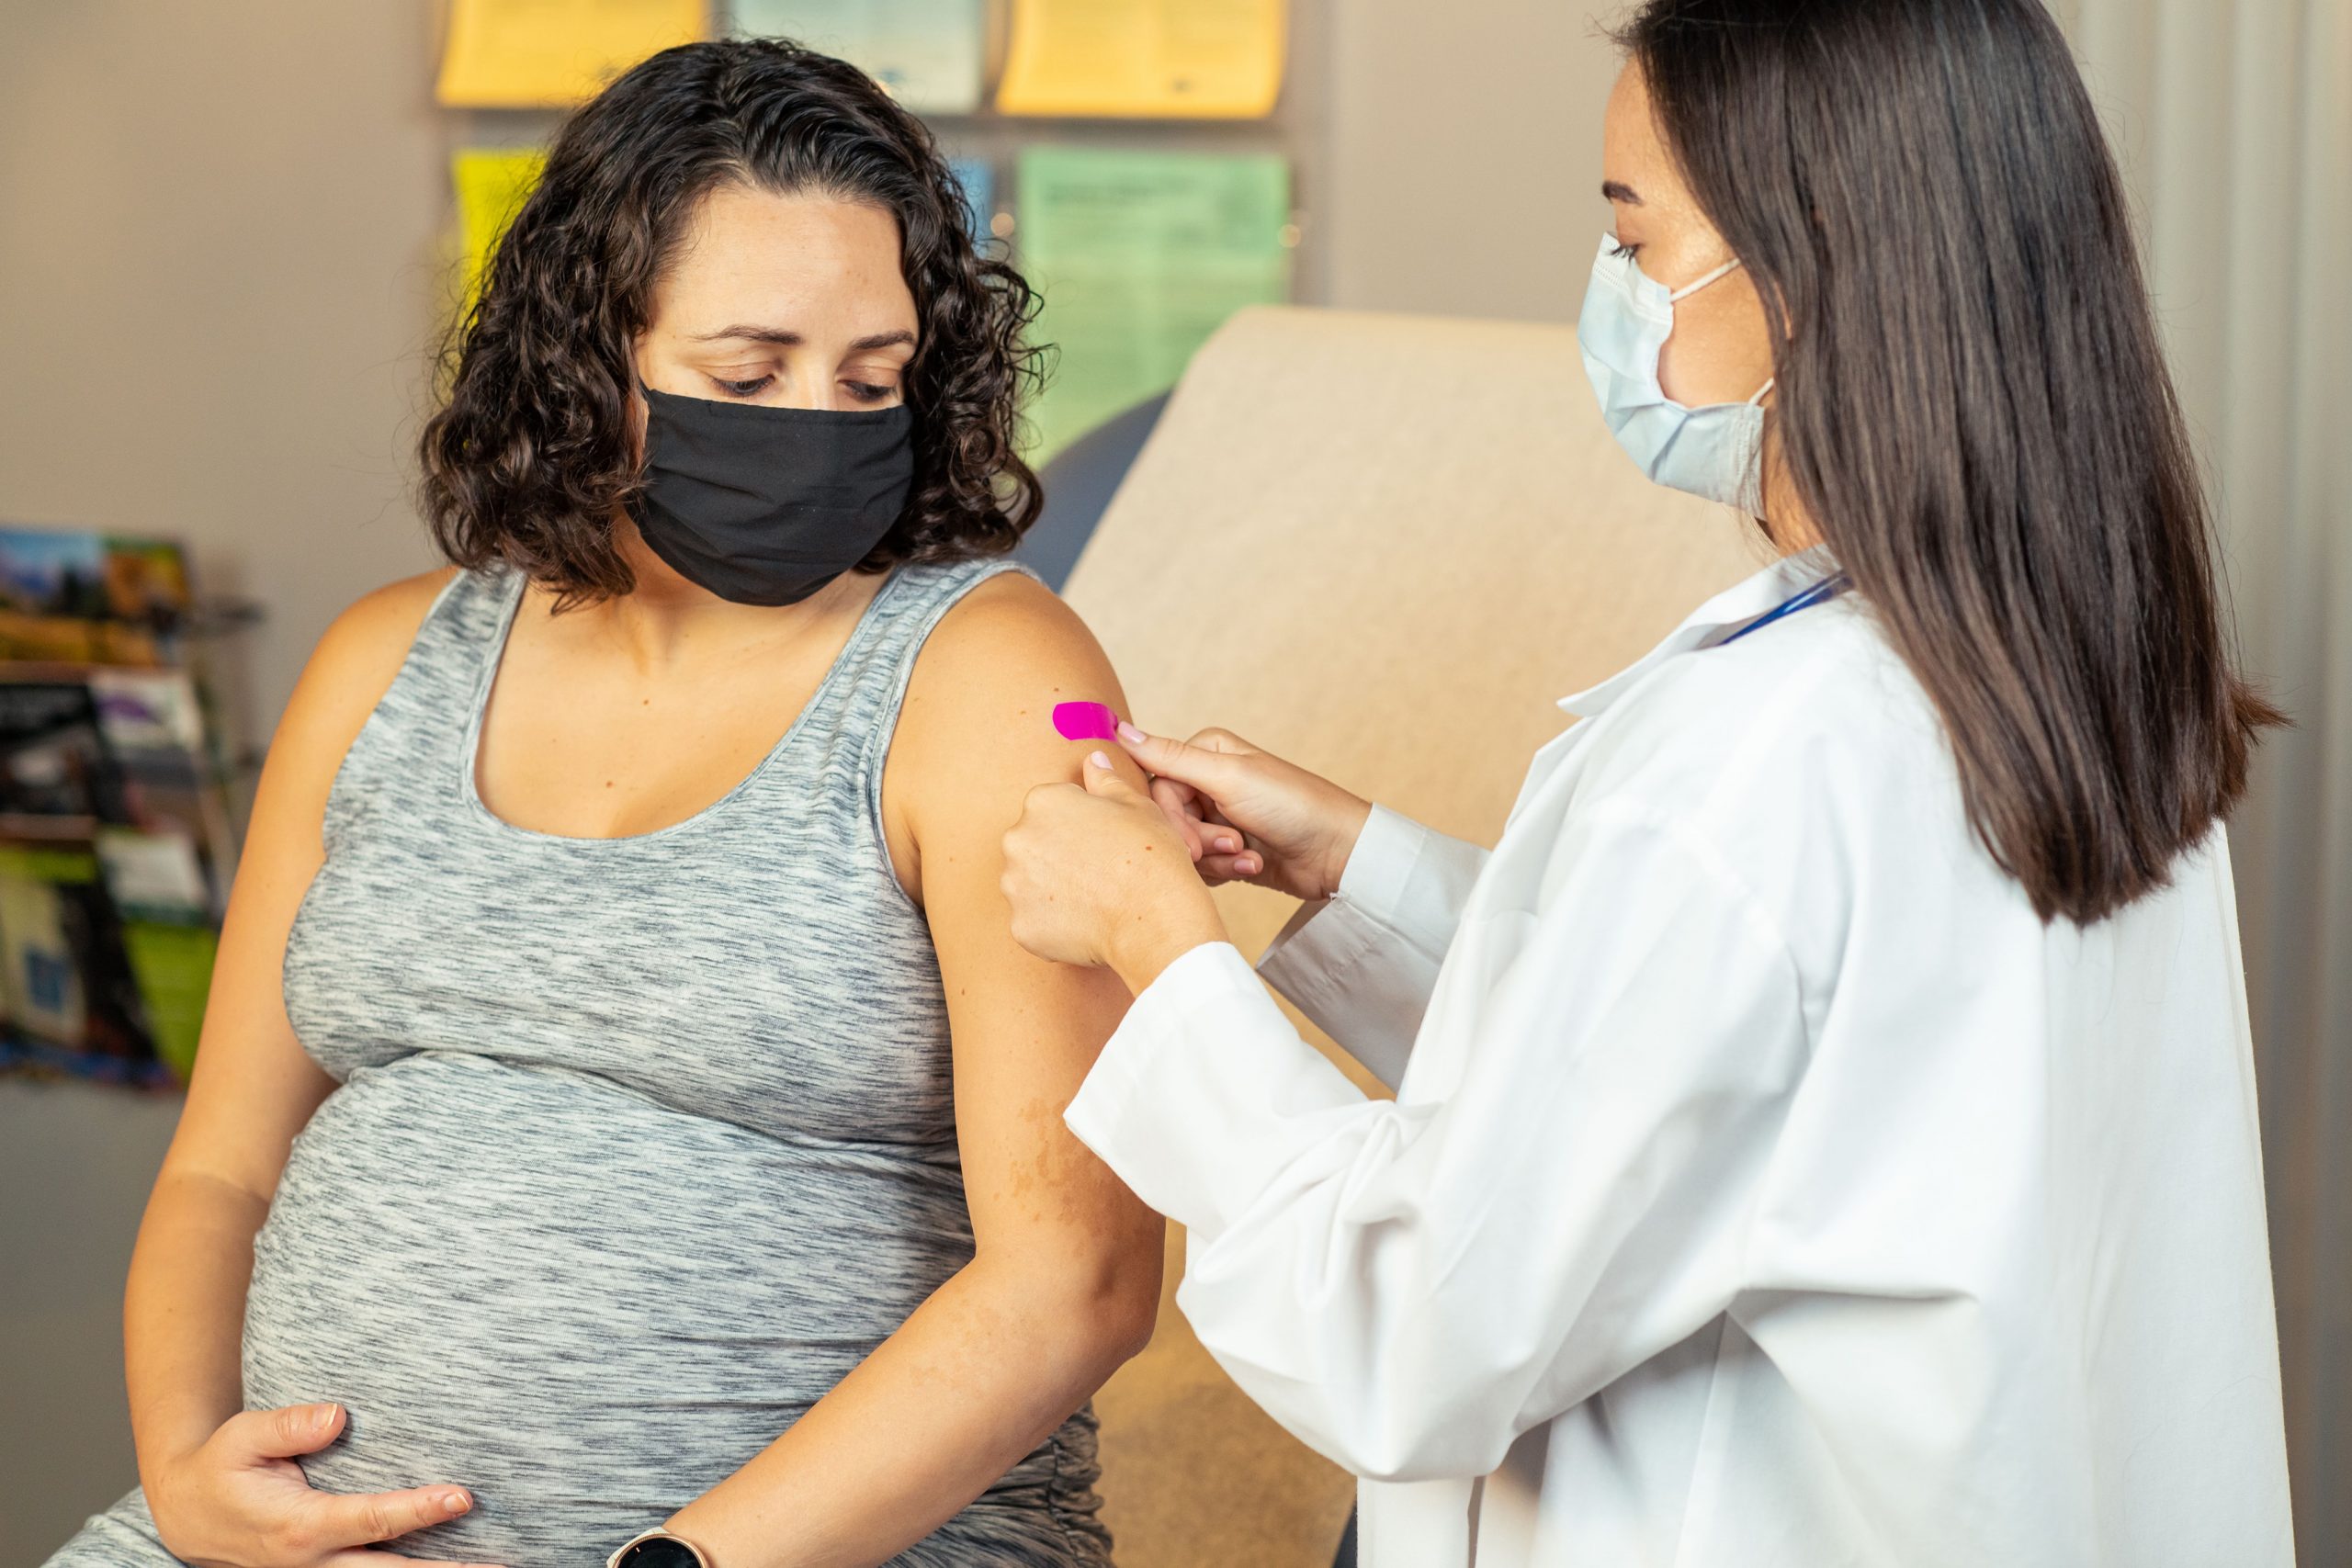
{"x":1085,"y":721}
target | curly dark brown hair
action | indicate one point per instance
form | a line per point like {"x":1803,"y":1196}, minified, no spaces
{"x":532,"y":457}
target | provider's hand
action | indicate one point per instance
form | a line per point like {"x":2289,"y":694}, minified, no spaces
{"x":1097,"y":875}
{"x":1257,"y":817}
{"x":239,"y":1501}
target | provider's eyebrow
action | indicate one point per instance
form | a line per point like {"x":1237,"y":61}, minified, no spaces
{"x":785,"y":339}
{"x":1614,"y":190}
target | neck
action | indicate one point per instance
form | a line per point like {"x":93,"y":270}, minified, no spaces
{"x":1786,"y":522}
{"x":1791,"y":533}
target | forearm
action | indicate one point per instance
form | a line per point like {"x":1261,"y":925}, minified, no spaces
{"x":973,"y":1380}
{"x":184,"y":1311}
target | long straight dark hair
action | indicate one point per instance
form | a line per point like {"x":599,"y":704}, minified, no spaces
{"x":1972,"y":405}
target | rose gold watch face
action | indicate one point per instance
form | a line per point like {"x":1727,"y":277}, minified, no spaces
{"x":661,"y":1551}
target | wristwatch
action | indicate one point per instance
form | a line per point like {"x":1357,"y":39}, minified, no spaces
{"x":657,"y":1549}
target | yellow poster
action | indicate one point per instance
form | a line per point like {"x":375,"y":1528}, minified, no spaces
{"x":490,"y":182}
{"x":1185,"y":58}
{"x":539,"y":53}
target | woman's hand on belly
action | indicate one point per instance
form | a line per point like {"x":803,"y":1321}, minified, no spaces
{"x":241,"y":1501}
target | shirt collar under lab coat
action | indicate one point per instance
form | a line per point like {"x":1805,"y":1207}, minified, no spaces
{"x":1718,"y":618}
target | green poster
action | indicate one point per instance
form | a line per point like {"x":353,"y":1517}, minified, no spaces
{"x":1140,"y":256}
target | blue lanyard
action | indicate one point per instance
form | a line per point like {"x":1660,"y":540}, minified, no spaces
{"x":1827,"y":588}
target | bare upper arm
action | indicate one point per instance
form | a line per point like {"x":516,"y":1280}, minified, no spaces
{"x":974,"y":737}
{"x":253,"y":1088}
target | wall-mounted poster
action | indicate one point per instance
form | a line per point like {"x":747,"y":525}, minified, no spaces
{"x":928,"y":53}
{"x":553,"y":53}
{"x":1140,"y":256}
{"x":1166,"y":58}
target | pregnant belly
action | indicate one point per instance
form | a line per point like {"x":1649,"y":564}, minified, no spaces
{"x":586,"y":1307}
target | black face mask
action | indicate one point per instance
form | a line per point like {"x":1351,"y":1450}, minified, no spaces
{"x":767,"y":505}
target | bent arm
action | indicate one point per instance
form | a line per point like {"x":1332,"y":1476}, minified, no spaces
{"x":253,"y":1087}
{"x":1363,"y":963}
{"x":1065,"y":1283}
{"x":1408,"y":1286}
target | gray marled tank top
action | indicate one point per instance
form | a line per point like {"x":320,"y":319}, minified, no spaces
{"x":640,"y":1144}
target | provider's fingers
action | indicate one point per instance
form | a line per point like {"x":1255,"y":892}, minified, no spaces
{"x":1196,"y":817}
{"x":1212,"y":761}
{"x":1176,"y":798}
{"x":1182,"y":802}
{"x":1218,"y":870}
{"x":1187,"y":828}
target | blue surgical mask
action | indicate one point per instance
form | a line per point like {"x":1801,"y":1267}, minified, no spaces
{"x":1711,"y":451}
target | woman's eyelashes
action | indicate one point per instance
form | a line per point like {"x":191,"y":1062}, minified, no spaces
{"x":859,"y":391}
{"x":1622,"y":249}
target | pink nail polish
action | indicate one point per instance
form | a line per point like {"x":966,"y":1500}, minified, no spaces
{"x":1130,"y":733}
{"x":1099,"y":759}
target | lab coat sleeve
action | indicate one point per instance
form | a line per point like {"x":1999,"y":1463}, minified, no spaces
{"x":1362,"y":962}
{"x":1408,"y":1286}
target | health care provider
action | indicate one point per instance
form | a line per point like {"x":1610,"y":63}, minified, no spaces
{"x":1824,"y":1126}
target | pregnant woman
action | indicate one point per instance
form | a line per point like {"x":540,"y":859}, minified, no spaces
{"x":623,"y":1107}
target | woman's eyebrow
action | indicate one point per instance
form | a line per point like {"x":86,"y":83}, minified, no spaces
{"x":1617,"y":190}
{"x":786,"y":338}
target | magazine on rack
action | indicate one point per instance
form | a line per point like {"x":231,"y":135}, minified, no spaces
{"x":116,"y":838}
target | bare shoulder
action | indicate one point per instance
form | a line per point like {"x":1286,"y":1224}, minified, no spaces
{"x":1003,"y":637}
{"x":976,"y":733}
{"x":379,"y":625}
{"x":352,"y":665}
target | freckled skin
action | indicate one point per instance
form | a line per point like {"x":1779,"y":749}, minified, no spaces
{"x":1050,"y":1172}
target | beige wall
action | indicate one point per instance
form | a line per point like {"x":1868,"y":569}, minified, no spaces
{"x":216,"y":254}
{"x":1463,"y":159}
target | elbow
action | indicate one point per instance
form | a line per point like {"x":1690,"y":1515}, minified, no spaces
{"x":1120,"y":1282}
{"x":1109,"y":1319}
{"x":1125,"y":1334}
{"x":1429,"y":1455}
{"x":1105,"y":1299}
{"x":1399,"y":1445}
{"x":1385,"y":1418}
{"x":1122,"y":1305}
{"x":1404,"y":1440}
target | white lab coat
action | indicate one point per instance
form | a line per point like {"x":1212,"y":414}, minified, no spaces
{"x":1765,"y":1185}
